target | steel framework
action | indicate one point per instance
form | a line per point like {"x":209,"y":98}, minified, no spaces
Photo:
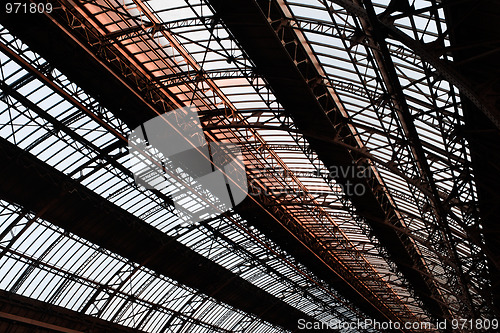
{"x":309,"y":90}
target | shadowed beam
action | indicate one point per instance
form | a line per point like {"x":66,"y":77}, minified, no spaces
{"x":34,"y":185}
{"x":26,"y":315}
{"x":475,"y":48}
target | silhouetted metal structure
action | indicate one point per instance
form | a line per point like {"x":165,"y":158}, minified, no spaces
{"x":314,"y":92}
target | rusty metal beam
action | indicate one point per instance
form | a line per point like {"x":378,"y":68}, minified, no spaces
{"x":289,"y":70}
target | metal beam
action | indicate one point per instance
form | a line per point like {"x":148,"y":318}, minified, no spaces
{"x":472,"y":23}
{"x":295,"y":242}
{"x":486,"y":104}
{"x":384,"y":60}
{"x":36,"y":186}
{"x":262,"y":30}
{"x":24,"y":315}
